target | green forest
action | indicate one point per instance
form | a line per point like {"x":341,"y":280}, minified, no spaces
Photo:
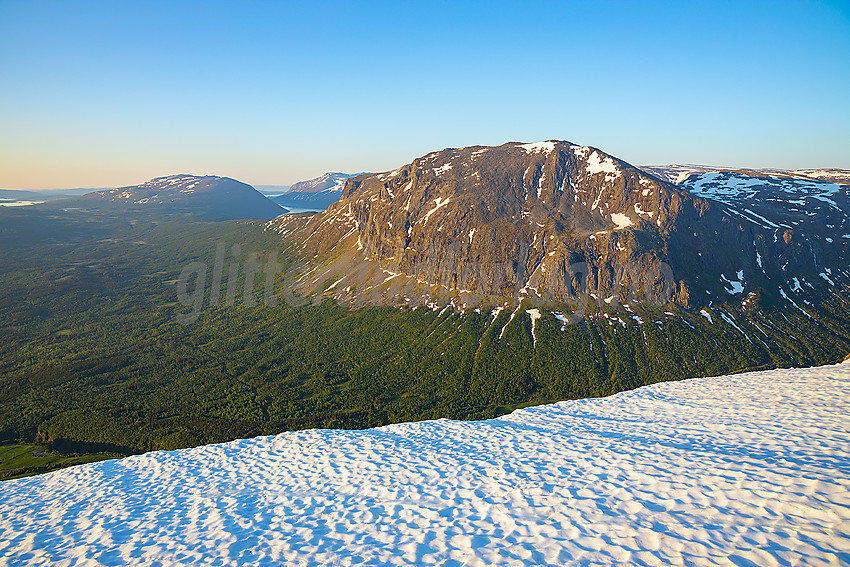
{"x":94,"y":361}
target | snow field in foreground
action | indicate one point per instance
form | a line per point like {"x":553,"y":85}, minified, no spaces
{"x":749,"y":469}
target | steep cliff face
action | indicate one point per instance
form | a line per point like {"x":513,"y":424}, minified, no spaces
{"x":546,"y":223}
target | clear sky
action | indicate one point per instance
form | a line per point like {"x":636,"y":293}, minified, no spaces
{"x":98,"y":94}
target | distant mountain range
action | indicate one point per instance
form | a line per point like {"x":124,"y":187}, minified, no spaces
{"x":15,"y":197}
{"x":318,"y":193}
{"x":680,"y":172}
{"x":208,"y":196}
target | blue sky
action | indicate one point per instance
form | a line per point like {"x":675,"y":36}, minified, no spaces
{"x":96,"y":94}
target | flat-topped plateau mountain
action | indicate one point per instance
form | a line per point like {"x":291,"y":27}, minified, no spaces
{"x":556,"y":223}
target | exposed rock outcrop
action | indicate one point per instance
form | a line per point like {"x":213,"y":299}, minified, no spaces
{"x":547,"y":223}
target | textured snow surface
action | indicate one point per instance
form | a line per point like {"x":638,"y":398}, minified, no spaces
{"x":750,"y":469}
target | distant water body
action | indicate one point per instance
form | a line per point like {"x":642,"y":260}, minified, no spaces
{"x":10,"y":203}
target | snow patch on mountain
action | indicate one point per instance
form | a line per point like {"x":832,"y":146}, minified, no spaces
{"x":605,"y":165}
{"x":621,"y":220}
{"x":735,"y":286}
{"x":442,"y":169}
{"x":439,"y":203}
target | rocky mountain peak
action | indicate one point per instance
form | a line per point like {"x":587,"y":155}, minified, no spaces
{"x":498,"y":225}
{"x":553,"y":223}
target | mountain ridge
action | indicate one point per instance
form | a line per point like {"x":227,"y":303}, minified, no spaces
{"x":317,"y":193}
{"x":677,"y":173}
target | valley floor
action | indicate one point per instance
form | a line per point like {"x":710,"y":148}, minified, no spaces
{"x":748,"y":469}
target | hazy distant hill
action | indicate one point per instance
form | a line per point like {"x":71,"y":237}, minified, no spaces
{"x":15,"y":194}
{"x":8,"y":196}
{"x":208,"y":196}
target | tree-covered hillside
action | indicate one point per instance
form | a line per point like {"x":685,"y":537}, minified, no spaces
{"x":93,"y":357}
